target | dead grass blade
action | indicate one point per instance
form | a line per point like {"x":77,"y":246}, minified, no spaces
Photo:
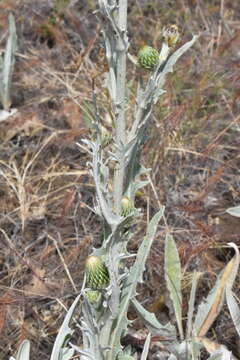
{"x":211,"y":307}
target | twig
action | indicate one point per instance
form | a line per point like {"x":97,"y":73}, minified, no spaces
{"x":63,"y":262}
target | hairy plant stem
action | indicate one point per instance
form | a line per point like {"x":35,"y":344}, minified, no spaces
{"x":120,"y":102}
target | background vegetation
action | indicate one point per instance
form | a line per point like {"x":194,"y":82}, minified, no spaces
{"x":47,"y":193}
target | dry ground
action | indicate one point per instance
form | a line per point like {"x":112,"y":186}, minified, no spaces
{"x":47,"y":225}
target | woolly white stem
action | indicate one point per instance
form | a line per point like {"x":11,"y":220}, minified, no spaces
{"x":120,"y":102}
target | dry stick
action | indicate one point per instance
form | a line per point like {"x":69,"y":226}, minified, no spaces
{"x":63,"y":262}
{"x":120,"y":105}
{"x":221,"y":15}
{"x":220,"y":134}
{"x":158,"y":200}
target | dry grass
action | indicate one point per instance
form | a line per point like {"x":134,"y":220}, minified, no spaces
{"x":47,"y":223}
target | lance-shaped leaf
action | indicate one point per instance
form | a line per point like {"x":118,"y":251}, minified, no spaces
{"x":23,"y":351}
{"x":154,"y":326}
{"x":217,"y":351}
{"x":173,"y":277}
{"x":231,"y":302}
{"x":60,"y":351}
{"x":191,"y":304}
{"x":168,"y":66}
{"x":212,"y":305}
{"x":186,"y":350}
{"x":129,"y":289}
{"x":172,"y":357}
{"x":233,"y":308}
{"x":146,"y":347}
{"x":234,"y":211}
{"x":221,"y":354}
{"x":100,"y":175}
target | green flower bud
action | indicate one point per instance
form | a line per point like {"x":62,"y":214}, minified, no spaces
{"x":171,"y":35}
{"x":148,"y":57}
{"x":127,"y":206}
{"x":93,"y":296}
{"x":97,"y":276}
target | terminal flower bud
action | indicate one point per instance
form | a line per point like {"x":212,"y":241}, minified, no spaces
{"x":148,"y":57}
{"x":97,"y":276}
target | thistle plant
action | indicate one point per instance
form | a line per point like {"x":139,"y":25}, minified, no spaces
{"x":110,"y":285}
{"x":103,"y":324}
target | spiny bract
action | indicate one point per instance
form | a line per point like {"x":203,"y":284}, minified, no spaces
{"x":97,"y":276}
{"x":148,"y":57}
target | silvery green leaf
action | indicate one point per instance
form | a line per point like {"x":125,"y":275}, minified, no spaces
{"x":141,"y":170}
{"x":1,"y":63}
{"x":171,"y":61}
{"x":205,"y":307}
{"x":87,"y":142}
{"x":64,"y":333}
{"x":127,"y":149}
{"x":140,"y":184}
{"x":157,"y":94}
{"x":130,"y":286}
{"x":235,"y":261}
{"x":133,"y":167}
{"x":234,"y":211}
{"x":184,"y":351}
{"x":140,"y":91}
{"x":173,"y":276}
{"x":151,"y":322}
{"x":100,"y":175}
{"x":91,"y":329}
{"x":195,"y":350}
{"x":125,"y":354}
{"x":215,"y":356}
{"x":67,"y":353}
{"x":172,"y":357}
{"x":146,"y":347}
{"x":222,"y":354}
{"x":4,"y":114}
{"x":85,"y":355}
{"x":8,"y":64}
{"x":233,"y":308}
{"x":191,"y":304}
{"x":23,"y":351}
